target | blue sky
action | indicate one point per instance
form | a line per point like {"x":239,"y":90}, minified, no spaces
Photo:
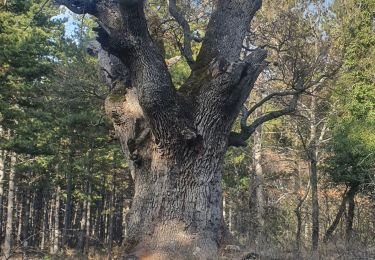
{"x":72,"y":21}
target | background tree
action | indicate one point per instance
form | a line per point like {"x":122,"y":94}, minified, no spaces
{"x":351,"y":158}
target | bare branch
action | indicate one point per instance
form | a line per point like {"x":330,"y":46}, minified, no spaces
{"x":178,"y":16}
{"x":248,"y":130}
{"x":269,"y":97}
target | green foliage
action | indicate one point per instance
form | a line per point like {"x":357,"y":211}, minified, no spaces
{"x":352,"y":149}
{"x":51,"y":104}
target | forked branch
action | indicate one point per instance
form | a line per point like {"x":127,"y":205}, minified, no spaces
{"x":226,"y":30}
{"x":239,"y":139}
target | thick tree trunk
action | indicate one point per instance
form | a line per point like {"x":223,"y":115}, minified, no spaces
{"x":177,"y":206}
{"x":176,"y":139}
{"x":176,"y":211}
{"x":10,"y":208}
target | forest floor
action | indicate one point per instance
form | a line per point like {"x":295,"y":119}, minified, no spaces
{"x":332,"y":251}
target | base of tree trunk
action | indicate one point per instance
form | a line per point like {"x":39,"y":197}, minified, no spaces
{"x":171,"y":241}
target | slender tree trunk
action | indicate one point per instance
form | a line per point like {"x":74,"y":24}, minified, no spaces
{"x":20,"y":212}
{"x":10,"y":208}
{"x":300,"y":200}
{"x":117,"y":231}
{"x":88,"y":222}
{"x":25,"y":223}
{"x":82,"y":230}
{"x":328,"y":212}
{"x":350,"y":217}
{"x":126,"y":209}
{"x":32,"y":198}
{"x":111,"y":217}
{"x":101,"y":215}
{"x":2,"y":177}
{"x":50,"y":223}
{"x":83,"y":223}
{"x":225,"y":208}
{"x":314,"y":180}
{"x":37,"y":216}
{"x":257,"y":192}
{"x":56,"y":228}
{"x":314,"y":208}
{"x":45,"y":223}
{"x":68,"y":207}
{"x":230,"y":216}
{"x":339,"y":215}
{"x":75,"y":222}
{"x":298,"y":232}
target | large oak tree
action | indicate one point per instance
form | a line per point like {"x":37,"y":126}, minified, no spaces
{"x":176,"y":139}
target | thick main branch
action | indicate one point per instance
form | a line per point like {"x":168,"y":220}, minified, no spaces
{"x":226,"y":30}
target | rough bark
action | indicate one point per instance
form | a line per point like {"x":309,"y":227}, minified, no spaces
{"x":175,"y":139}
{"x":10,"y":208}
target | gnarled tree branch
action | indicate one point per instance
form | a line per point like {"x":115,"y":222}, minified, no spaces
{"x":124,"y":33}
